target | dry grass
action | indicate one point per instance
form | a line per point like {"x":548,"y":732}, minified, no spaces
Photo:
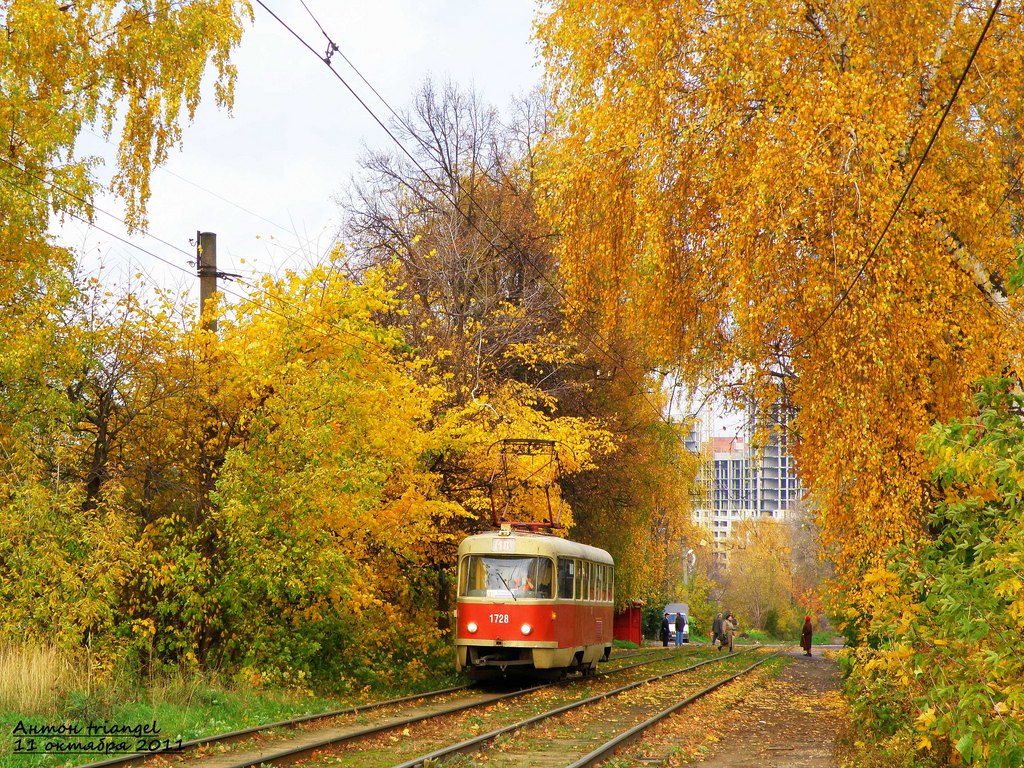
{"x":32,"y":678}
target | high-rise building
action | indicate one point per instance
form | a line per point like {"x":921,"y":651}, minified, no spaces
{"x":738,"y":482}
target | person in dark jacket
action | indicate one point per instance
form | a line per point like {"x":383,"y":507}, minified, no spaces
{"x":716,"y":629}
{"x":665,"y":630}
{"x":680,"y":623}
{"x":805,"y":636}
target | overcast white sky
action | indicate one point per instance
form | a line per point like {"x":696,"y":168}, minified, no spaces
{"x":291,"y":142}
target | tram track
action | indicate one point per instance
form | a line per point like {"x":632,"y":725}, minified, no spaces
{"x":234,"y":737}
{"x":349,"y":742}
{"x":124,"y":761}
{"x":609,"y":748}
{"x":602,"y":752}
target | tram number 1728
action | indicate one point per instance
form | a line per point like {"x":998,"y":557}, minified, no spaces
{"x":532,"y":603}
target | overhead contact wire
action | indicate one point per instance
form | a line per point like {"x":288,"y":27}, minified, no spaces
{"x":326,"y":59}
{"x":844,"y":296}
{"x":136,"y":246}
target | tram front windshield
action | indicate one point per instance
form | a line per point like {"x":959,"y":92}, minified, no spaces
{"x":508,"y":577}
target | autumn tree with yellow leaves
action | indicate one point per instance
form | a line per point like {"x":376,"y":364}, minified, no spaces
{"x":327,"y":519}
{"x":67,"y":67}
{"x":638,"y":502}
{"x":940,"y":679}
{"x":263,"y":499}
{"x":99,"y":63}
{"x":482,"y":299}
{"x":720,"y":177}
{"x":458,"y":219}
{"x":765,"y":190}
{"x":773,"y":574}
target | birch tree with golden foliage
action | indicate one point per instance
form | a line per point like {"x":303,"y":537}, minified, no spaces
{"x":722,"y":176}
{"x":103,"y":64}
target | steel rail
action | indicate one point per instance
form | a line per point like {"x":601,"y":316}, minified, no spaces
{"x":231,"y":736}
{"x":242,"y":733}
{"x":631,"y":665}
{"x":293,"y":754}
{"x":471,"y":745}
{"x":650,"y":650}
{"x":227,"y":738}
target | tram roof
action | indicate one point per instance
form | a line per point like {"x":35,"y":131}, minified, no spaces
{"x":527,"y":543}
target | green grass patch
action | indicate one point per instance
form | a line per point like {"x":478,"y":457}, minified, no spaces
{"x":181,"y":707}
{"x":757,"y":636}
{"x":171,"y":711}
{"x":766,"y":638}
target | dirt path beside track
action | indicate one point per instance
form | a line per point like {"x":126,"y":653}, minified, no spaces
{"x":793,"y":722}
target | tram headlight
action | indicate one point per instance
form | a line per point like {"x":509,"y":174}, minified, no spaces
{"x":471,"y":627}
{"x":526,"y":629}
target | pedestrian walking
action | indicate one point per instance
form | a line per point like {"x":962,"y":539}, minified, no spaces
{"x":729,"y":627}
{"x":680,"y":623}
{"x":716,"y":630}
{"x":805,"y":636}
{"x":665,"y":630}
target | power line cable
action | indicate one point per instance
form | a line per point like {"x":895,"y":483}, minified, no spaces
{"x":92,"y":207}
{"x":326,"y":59}
{"x":303,"y":242}
{"x":844,"y":296}
{"x":177,"y":266}
{"x":332,"y":47}
{"x":240,"y":207}
{"x":47,"y":201}
{"x":316,"y":21}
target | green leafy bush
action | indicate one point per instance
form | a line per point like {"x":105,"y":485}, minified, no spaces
{"x":943,"y":657}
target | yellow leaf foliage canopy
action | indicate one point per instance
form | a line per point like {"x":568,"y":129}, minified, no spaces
{"x":68,"y":67}
{"x":102,"y":62}
{"x":720,"y":177}
{"x":284,"y":497}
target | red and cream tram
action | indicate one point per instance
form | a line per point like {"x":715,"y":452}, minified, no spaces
{"x":532,"y":603}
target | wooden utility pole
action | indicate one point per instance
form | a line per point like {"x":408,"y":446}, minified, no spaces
{"x":211,"y":451}
{"x":206,"y":266}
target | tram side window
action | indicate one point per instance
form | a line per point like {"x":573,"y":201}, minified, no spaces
{"x":583,"y":581}
{"x":473,"y":577}
{"x":599,"y":582}
{"x":566,"y":577}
